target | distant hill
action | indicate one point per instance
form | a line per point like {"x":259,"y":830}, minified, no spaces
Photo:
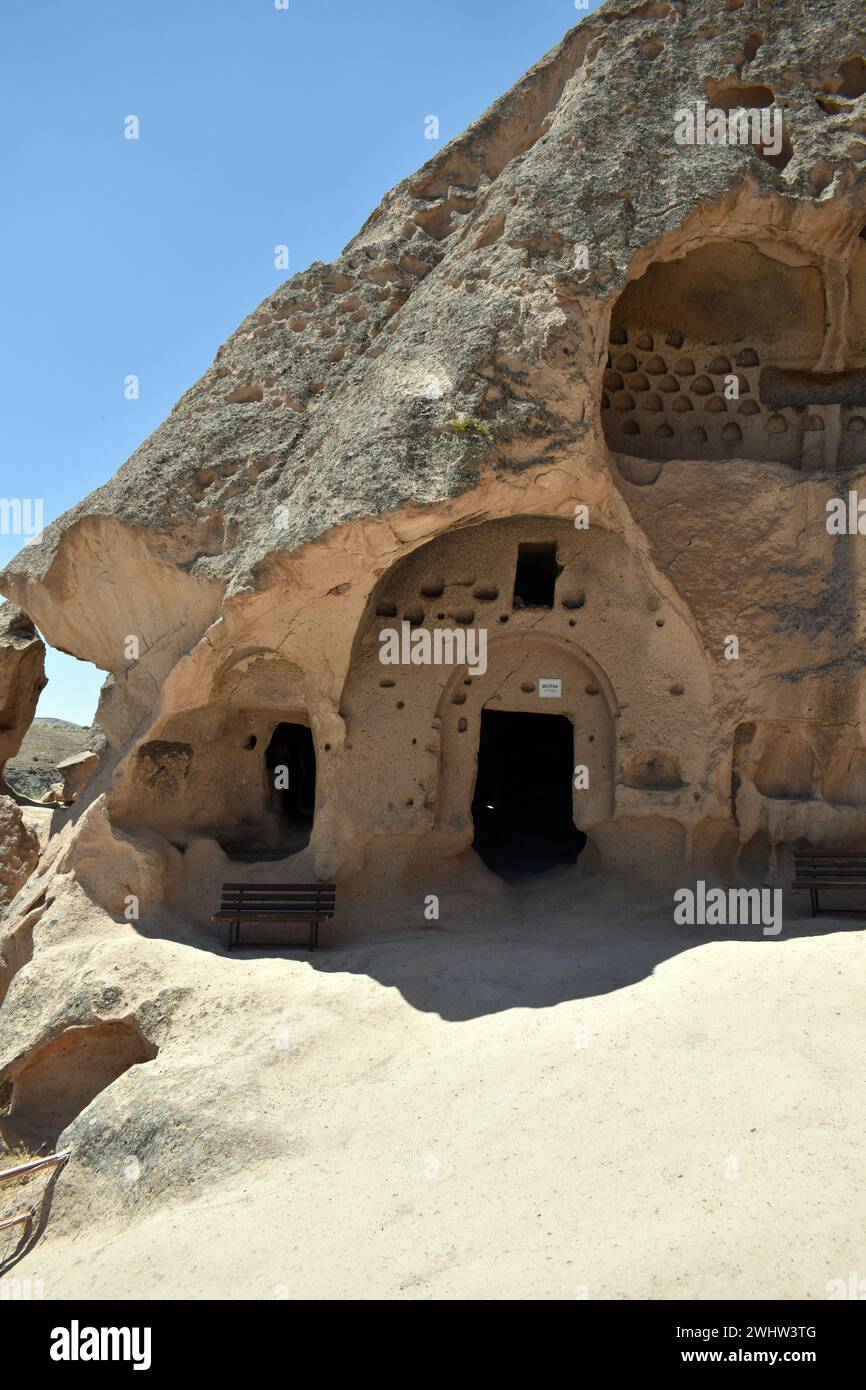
{"x":33,"y":771}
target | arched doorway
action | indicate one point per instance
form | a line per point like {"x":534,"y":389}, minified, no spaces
{"x":527,"y":754}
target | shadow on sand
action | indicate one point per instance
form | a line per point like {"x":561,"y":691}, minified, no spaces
{"x":543,"y":949}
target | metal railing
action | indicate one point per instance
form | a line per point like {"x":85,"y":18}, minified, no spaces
{"x":32,"y":1219}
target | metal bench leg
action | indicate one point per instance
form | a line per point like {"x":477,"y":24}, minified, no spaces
{"x":314,"y":935}
{"x":813,"y":894}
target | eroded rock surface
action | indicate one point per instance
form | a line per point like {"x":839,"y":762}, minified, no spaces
{"x":574,"y":385}
{"x":22,"y":678}
{"x":19,"y":850}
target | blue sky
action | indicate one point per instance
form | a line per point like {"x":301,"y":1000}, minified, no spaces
{"x":258,"y":127}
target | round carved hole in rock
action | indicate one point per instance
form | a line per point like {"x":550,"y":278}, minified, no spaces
{"x":655,"y":365}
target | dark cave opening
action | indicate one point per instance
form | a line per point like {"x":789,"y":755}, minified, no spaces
{"x":522,"y":805}
{"x":290,"y":762}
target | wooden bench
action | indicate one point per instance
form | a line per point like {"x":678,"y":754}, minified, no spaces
{"x":817,"y":869}
{"x":275,"y":902}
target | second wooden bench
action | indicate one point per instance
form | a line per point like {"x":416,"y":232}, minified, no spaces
{"x":820,"y":869}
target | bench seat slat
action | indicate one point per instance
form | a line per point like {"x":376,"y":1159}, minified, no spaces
{"x":817,"y":866}
{"x":847,"y":862}
{"x":829,"y":870}
{"x":274,"y":917}
{"x":831,"y":859}
{"x":840,"y":868}
{"x":830,"y":854}
{"x":819,"y":852}
{"x":832,"y":871}
{"x":807,"y":871}
{"x":828,"y":883}
{"x":273,"y":897}
{"x":276,"y":897}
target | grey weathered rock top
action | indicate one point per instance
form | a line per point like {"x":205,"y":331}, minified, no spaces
{"x":332,"y":400}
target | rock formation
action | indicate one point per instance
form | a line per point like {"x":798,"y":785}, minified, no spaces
{"x":576,"y":386}
{"x":19,"y":850}
{"x":77,"y":772}
{"x":22,"y":678}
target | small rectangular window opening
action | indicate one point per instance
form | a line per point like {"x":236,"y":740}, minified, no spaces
{"x":537,"y":573}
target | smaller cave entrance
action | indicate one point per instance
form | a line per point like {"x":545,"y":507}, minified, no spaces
{"x":522,"y":805}
{"x":290,"y":765}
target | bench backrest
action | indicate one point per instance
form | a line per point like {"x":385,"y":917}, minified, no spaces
{"x":830,"y":863}
{"x":318,"y":898}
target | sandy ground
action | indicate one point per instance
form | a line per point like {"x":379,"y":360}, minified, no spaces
{"x":593,"y":1104}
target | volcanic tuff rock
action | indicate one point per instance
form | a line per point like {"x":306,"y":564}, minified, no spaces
{"x":382,"y":441}
{"x":19,"y":851}
{"x":460,"y":296}
{"x":48,"y":742}
{"x":22,"y":679}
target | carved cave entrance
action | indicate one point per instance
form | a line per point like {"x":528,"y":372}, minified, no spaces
{"x":522,"y":805}
{"x":290,"y":762}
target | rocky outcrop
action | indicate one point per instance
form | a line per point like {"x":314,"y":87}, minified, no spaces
{"x":465,"y":295}
{"x":567,"y":307}
{"x":22,"y":678}
{"x":575,"y":385}
{"x":19,"y":850}
{"x":77,"y":772}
